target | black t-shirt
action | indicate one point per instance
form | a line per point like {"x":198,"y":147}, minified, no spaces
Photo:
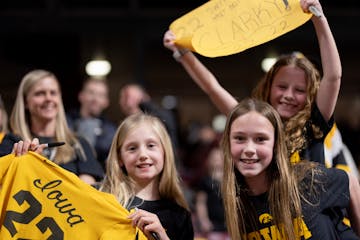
{"x":315,"y":148}
{"x":332,"y":194}
{"x":7,"y":143}
{"x":175,"y":219}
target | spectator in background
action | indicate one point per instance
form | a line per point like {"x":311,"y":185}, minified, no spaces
{"x":133,"y":98}
{"x":199,"y":142}
{"x":349,"y":126}
{"x":209,"y":208}
{"x":6,"y":139}
{"x":38,"y":113}
{"x":337,"y":153}
{"x":89,"y":121}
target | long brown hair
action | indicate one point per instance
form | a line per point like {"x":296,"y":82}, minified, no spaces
{"x":283,"y":194}
{"x":294,"y":127}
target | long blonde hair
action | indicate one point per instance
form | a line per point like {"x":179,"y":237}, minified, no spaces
{"x":118,"y":183}
{"x":20,"y":120}
{"x":283,"y":194}
{"x":294,"y":127}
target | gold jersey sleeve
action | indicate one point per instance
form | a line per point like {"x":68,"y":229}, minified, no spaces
{"x":40,"y":200}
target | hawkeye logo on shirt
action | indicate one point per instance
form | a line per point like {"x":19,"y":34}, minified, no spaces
{"x":275,"y":232}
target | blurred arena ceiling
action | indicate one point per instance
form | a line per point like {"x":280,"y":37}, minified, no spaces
{"x":67,"y":14}
{"x":129,"y":5}
{"x":110,"y":16}
{"x":131,"y":8}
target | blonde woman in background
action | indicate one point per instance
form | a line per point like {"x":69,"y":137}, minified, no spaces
{"x":38,"y":116}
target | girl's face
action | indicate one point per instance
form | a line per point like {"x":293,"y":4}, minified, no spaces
{"x":252,"y":143}
{"x":288,"y":91}
{"x":43,"y":100}
{"x":142,"y":154}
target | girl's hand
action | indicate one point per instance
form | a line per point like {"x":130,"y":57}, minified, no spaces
{"x":169,"y":41}
{"x":149,"y":224}
{"x":22,"y":147}
{"x":306,"y":4}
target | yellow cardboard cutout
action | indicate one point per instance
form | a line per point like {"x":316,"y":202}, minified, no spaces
{"x":225,"y":27}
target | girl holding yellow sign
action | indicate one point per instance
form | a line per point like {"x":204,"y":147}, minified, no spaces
{"x":293,"y":87}
{"x":304,"y":100}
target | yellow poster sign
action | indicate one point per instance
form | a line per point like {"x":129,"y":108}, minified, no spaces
{"x":225,"y":27}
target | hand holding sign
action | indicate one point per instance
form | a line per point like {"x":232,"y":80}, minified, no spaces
{"x":220,"y":28}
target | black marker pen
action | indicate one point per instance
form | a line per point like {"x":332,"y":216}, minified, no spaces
{"x":54,"y":144}
{"x":49,"y":145}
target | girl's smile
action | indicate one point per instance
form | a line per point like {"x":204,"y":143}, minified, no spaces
{"x":142,"y":154}
{"x":252,"y":143}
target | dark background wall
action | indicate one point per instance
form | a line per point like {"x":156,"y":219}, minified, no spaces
{"x":62,"y":35}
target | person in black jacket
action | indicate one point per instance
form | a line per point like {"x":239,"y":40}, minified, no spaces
{"x":89,"y":120}
{"x":38,"y":116}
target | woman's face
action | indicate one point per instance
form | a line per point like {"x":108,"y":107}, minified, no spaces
{"x":43,"y":100}
{"x":252,"y":143}
{"x":288,"y":91}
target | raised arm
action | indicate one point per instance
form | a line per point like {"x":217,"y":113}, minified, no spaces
{"x":330,"y":84}
{"x":221,"y":98}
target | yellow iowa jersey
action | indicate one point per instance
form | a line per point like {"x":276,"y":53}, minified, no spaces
{"x":40,"y":200}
